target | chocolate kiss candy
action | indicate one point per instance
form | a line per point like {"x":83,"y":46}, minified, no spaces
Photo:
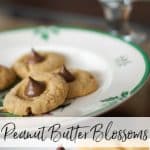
{"x":66,"y":74}
{"x":60,"y":148}
{"x":35,"y":57}
{"x":34,"y":88}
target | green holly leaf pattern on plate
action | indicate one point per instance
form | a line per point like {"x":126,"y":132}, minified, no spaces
{"x":46,"y":32}
{"x":123,"y":95}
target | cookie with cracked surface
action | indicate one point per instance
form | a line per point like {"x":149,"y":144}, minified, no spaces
{"x":84,"y":84}
{"x":7,"y":77}
{"x":80,"y":82}
{"x":36,"y":94}
{"x":37,"y":61}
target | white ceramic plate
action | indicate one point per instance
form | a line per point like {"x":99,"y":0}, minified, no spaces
{"x":121,"y":68}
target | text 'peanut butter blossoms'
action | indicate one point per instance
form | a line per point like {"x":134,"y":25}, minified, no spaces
{"x":37,"y":61}
{"x":37,"y":94}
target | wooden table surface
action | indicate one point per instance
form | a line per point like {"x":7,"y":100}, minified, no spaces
{"x":138,"y":105}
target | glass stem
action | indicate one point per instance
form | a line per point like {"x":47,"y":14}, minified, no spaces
{"x":117,"y":16}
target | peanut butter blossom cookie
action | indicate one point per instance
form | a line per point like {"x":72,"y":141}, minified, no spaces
{"x":36,"y":94}
{"x":7,"y":77}
{"x":80,"y":82}
{"x":37,"y":61}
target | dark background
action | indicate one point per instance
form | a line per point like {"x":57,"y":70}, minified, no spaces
{"x":91,"y":8}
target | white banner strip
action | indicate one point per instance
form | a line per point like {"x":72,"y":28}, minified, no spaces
{"x":75,"y":132}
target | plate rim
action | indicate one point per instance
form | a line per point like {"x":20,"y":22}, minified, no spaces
{"x":135,"y":46}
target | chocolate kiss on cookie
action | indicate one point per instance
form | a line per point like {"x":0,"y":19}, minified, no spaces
{"x":38,"y":94}
{"x":66,"y":74}
{"x":34,"y":88}
{"x":35,"y":57}
{"x":60,"y":148}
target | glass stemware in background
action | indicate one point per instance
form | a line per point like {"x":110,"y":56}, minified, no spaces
{"x":117,"y":13}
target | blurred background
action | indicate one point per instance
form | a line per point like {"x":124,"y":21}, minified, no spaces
{"x":83,"y":13}
{"x":64,"y":11}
